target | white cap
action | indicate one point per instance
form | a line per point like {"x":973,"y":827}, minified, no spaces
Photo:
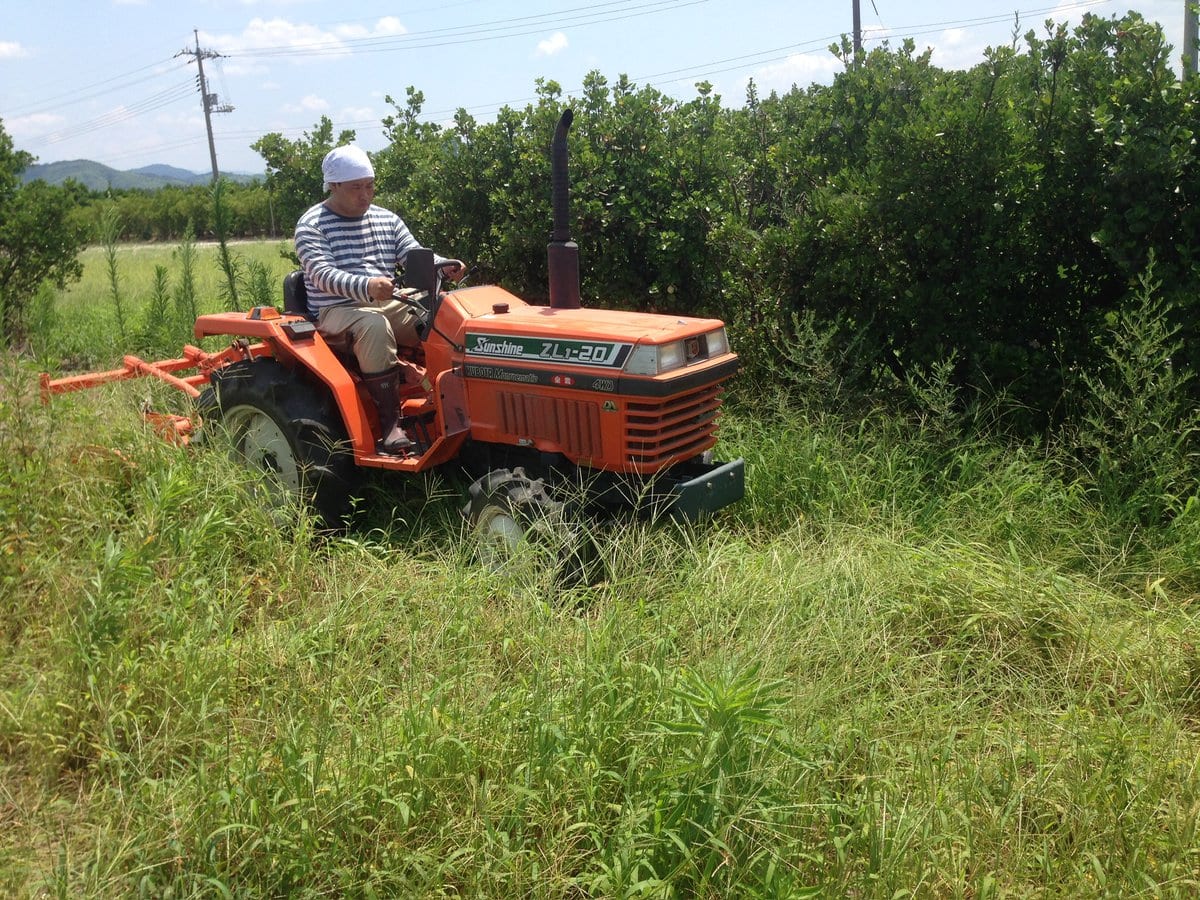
{"x":348,"y":163}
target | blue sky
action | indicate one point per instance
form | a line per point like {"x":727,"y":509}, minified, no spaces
{"x":110,"y":80}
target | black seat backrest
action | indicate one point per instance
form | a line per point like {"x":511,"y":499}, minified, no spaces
{"x":421,"y":273}
{"x":295,"y":297}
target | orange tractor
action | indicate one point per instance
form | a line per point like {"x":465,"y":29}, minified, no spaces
{"x":542,"y":406}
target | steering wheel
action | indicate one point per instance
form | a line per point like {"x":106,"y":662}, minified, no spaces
{"x":423,"y":302}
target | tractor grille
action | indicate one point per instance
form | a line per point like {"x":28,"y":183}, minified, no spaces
{"x":659,"y":433}
{"x":572,"y":424}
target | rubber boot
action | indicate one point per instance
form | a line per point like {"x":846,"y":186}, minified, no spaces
{"x":384,"y":389}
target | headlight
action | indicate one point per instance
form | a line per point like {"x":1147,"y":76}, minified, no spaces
{"x":670,"y":356}
{"x":718,"y":343}
{"x":643,"y":360}
{"x":654,"y":359}
{"x":657,"y":359}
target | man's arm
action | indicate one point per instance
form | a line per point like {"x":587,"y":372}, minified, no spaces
{"x":321,"y":266}
{"x":405,"y":242}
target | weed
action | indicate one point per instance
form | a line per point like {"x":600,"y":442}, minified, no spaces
{"x":1140,"y":424}
{"x":231,"y":264}
{"x":918,"y":660}
{"x":186,"y":302}
{"x":110,"y":228}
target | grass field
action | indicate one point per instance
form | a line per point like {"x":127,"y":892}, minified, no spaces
{"x":907,"y":665}
{"x":81,"y":327}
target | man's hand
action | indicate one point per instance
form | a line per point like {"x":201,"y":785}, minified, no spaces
{"x":380,"y":289}
{"x":453,"y":269}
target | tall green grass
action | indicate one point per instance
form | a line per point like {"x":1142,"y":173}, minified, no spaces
{"x":915,"y":661}
{"x":85,"y":326}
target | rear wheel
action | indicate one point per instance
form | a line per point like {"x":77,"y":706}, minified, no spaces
{"x":517,"y":524}
{"x":288,"y":428}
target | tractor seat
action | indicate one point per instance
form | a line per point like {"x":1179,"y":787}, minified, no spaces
{"x":295,"y":297}
{"x":295,"y":303}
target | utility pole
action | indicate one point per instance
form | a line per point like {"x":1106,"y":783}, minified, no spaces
{"x":208,"y":100}
{"x":1189,"y":38}
{"x":857,"y":29}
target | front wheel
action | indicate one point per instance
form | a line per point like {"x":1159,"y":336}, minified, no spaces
{"x":288,"y":428}
{"x":517,"y":523}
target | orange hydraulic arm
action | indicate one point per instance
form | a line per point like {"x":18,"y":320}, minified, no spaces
{"x":176,"y":429}
{"x":135,"y":367}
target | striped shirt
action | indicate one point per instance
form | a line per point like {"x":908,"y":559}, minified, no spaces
{"x":341,"y":255}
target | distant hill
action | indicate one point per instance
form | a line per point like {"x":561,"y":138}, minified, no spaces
{"x":98,"y":177}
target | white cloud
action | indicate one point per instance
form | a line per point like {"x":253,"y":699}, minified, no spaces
{"x":556,"y":43}
{"x":311,"y":103}
{"x":12,"y":50}
{"x":956,"y":48}
{"x":282,"y":35}
{"x":389,"y":25}
{"x":800,"y":69}
{"x":24,"y":127}
{"x":275,"y":34}
{"x":953,"y":38}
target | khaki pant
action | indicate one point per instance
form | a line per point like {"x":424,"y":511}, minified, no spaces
{"x":371,"y":330}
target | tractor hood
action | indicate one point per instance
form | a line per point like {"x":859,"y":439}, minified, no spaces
{"x":489,"y":313}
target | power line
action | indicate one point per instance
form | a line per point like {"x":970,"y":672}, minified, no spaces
{"x":467,"y":34}
{"x":496,"y":29}
{"x":155,"y":148}
{"x":439,"y":36}
{"x":721,"y":66}
{"x":779,"y":54}
{"x":161,"y":99}
{"x":994,"y":19}
{"x":713,"y":67}
{"x":614,"y":10}
{"x":70,"y":98}
{"x":589,"y":15}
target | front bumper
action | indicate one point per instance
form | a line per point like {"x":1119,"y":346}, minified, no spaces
{"x":703,"y":491}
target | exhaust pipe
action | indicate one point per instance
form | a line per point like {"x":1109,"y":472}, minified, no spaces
{"x":562,"y":252}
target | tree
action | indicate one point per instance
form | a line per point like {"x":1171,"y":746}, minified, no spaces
{"x":294,"y":169}
{"x":995,"y":217}
{"x":40,"y":238}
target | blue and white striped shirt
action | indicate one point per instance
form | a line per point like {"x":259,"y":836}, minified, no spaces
{"x":340,"y":255}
